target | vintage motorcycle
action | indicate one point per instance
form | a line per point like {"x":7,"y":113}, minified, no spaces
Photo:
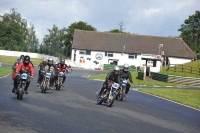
{"x":121,"y":92}
{"x":45,"y":84}
{"x":108,"y":95}
{"x":59,"y":80}
{"x":23,"y":77}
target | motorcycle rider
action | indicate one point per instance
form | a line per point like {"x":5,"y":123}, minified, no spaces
{"x":50,"y":67}
{"x":21,"y":58}
{"x":41,"y":67}
{"x":125,"y":74}
{"x":111,"y":77}
{"x":61,"y":67}
{"x":27,"y":66}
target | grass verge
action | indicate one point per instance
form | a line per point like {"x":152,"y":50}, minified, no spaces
{"x":4,"y":71}
{"x":147,"y":81}
{"x":12,"y":59}
{"x":186,"y":97}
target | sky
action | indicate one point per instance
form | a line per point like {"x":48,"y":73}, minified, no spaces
{"x":144,"y":17}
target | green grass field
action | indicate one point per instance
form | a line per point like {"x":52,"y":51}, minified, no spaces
{"x":12,"y":59}
{"x":148,"y":81}
{"x":4,"y":71}
{"x":186,"y":97}
{"x":191,"y":64}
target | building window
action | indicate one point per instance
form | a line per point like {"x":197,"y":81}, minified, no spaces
{"x":110,"y":54}
{"x":82,"y":52}
{"x":132,"y":56}
{"x":85,"y":52}
{"x":88,"y":52}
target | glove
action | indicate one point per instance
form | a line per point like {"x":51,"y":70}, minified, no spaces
{"x":131,"y":81}
{"x":32,"y":76}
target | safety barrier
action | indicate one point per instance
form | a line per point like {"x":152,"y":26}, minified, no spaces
{"x":110,"y":67}
{"x":176,"y":79}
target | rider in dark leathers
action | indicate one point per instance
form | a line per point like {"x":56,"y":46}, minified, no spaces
{"x":125,"y":74}
{"x":110,"y":78}
{"x":41,"y":67}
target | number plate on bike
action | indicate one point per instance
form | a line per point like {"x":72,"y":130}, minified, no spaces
{"x":61,"y":74}
{"x":124,"y":83}
{"x":115,"y":85}
{"x":24,"y":76}
{"x":48,"y":75}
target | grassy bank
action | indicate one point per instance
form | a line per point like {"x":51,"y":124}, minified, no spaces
{"x":4,"y":71}
{"x":186,"y":97}
{"x":13,"y":59}
{"x":186,"y":73}
{"x":148,"y":81}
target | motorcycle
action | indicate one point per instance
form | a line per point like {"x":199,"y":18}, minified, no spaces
{"x":122,"y":91}
{"x":45,"y":84}
{"x":22,"y":84}
{"x":108,"y":95}
{"x":59,"y":81}
{"x":69,"y":70}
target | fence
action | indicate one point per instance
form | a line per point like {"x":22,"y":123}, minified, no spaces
{"x":184,"y":69}
{"x":110,"y":67}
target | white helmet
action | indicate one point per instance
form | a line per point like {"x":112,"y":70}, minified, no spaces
{"x":126,"y":66}
{"x":116,"y":68}
{"x":50,"y":60}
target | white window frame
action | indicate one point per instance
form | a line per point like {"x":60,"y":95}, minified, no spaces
{"x":83,"y":52}
{"x":132,"y":56}
{"x":110,"y":53}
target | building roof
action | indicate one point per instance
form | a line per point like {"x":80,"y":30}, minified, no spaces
{"x":128,"y":43}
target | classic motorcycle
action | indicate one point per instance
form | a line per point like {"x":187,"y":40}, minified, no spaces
{"x":108,"y":95}
{"x":45,"y":84}
{"x":22,"y":84}
{"x":69,"y":70}
{"x":121,"y":92}
{"x":59,"y":81}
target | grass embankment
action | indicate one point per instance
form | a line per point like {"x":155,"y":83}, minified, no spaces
{"x":148,"y":81}
{"x":187,"y":70}
{"x":12,"y":59}
{"x":4,"y":71}
{"x":186,"y":97}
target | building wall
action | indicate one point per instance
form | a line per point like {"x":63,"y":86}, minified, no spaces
{"x":123,"y":58}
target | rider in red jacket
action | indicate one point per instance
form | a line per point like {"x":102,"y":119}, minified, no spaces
{"x":62,"y":67}
{"x":23,"y":67}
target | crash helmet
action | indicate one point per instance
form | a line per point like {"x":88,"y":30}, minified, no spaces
{"x":50,"y":60}
{"x":26,"y":60}
{"x":126,"y":67}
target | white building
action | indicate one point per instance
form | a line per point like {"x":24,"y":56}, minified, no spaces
{"x":116,"y":48}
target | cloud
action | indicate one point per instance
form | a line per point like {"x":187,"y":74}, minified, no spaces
{"x":148,"y":17}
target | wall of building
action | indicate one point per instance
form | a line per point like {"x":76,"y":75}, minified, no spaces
{"x":122,"y":57}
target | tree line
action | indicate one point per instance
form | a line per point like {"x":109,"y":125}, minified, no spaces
{"x":17,"y":35}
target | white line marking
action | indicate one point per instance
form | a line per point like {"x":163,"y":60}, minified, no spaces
{"x":168,"y":100}
{"x":5,"y":76}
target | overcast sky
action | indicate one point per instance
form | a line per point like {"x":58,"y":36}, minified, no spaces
{"x":145,"y":17}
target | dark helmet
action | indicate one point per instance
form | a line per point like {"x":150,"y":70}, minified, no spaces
{"x":62,"y":61}
{"x":26,"y":59}
{"x":22,"y":57}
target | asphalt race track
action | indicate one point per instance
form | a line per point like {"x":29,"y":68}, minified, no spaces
{"x":73,"y":109}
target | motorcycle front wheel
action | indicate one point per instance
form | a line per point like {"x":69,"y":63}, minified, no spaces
{"x":110,"y":100}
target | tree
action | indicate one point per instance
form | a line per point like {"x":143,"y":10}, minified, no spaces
{"x":190,"y":31}
{"x":70,"y":32}
{"x":14,"y":32}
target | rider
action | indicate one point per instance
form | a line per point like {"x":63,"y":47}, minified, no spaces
{"x":125,"y":74}
{"x":19,"y":60}
{"x":110,"y":78}
{"x":50,"y":67}
{"x":27,"y":66}
{"x":41,"y":67}
{"x":61,"y":67}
